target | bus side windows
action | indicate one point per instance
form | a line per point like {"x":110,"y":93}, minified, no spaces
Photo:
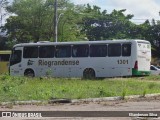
{"x":46,"y":51}
{"x":98,"y":50}
{"x":80,"y":50}
{"x":63,"y":51}
{"x":126,"y":50}
{"x":114,"y":50}
{"x":30,"y":52}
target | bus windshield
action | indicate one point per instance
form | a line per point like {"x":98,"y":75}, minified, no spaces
{"x":15,"y":57}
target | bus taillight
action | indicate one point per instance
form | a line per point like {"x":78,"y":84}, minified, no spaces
{"x":136,"y":65}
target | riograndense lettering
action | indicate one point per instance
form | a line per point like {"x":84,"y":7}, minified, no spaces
{"x":55,"y":63}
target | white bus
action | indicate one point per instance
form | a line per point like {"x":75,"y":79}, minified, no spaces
{"x":88,"y":59}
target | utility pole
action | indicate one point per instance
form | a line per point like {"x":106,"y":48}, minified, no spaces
{"x":55,"y":20}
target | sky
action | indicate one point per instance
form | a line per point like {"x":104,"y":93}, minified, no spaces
{"x":141,"y":9}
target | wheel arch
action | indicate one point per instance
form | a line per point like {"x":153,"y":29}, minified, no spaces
{"x":29,"y":70}
{"x":90,"y":71}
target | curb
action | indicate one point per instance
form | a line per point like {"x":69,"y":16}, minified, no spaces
{"x":114,"y":98}
{"x":97,"y":99}
{"x":33,"y":102}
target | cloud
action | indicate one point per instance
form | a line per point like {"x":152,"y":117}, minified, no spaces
{"x":141,"y":9}
{"x":83,"y":1}
{"x":146,"y":9}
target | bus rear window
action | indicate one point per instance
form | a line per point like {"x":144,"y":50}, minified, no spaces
{"x":144,"y":46}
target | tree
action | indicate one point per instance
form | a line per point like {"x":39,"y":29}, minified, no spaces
{"x":30,"y":22}
{"x":3,"y":4}
{"x":100,"y":25}
{"x":154,"y":37}
{"x":68,"y":19}
{"x":3,"y":39}
{"x":33,"y":20}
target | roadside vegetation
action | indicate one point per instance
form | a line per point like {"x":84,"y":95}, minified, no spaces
{"x":32,"y":21}
{"x":23,"y":88}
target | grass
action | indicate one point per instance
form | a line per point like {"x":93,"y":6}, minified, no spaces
{"x":22,"y":88}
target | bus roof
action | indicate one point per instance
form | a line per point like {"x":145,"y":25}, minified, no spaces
{"x":5,"y":51}
{"x":78,"y":42}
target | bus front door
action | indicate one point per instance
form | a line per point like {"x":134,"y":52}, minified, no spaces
{"x":15,"y":61}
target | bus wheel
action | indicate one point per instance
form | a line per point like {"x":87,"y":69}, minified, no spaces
{"x":89,"y":73}
{"x":29,"y":73}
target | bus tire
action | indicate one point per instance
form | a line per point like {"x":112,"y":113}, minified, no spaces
{"x":89,"y":73}
{"x":29,"y":73}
